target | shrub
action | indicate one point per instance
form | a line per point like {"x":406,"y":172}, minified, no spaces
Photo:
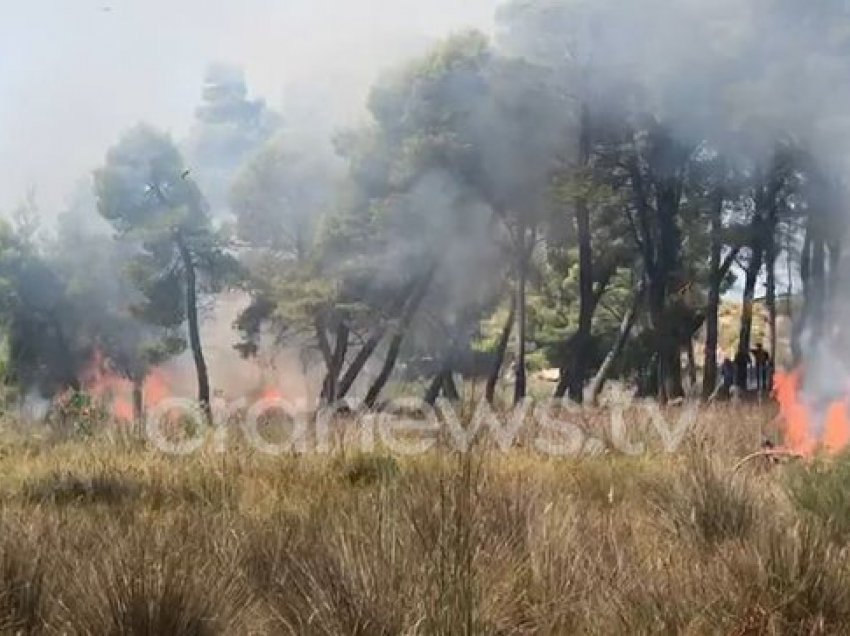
{"x":792,"y":580}
{"x":819,"y":490}
{"x":366,"y":469}
{"x":63,"y":488}
{"x":22,"y":590}
{"x":704,"y":504}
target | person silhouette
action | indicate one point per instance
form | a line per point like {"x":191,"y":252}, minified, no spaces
{"x":762,"y":364}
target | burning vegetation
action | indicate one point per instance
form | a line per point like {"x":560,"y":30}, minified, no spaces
{"x":809,"y":426}
{"x":545,"y":204}
{"x":587,"y":200}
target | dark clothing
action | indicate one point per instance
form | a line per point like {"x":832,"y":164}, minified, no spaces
{"x":742,"y":368}
{"x":762,"y":359}
{"x":727,"y":373}
{"x":727,"y":379}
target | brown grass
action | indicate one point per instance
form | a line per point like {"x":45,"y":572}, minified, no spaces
{"x":106,"y":537}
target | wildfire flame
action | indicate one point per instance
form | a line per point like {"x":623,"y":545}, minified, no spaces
{"x":806,"y":432}
{"x":113,"y":390}
{"x":271,"y":394}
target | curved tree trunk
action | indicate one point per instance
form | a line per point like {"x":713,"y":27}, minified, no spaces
{"x":626,"y":327}
{"x":334,"y":361}
{"x":360,"y":360}
{"x":194,"y":328}
{"x":449,"y":387}
{"x":395,"y":343}
{"x":353,"y":371}
{"x":433,"y":390}
{"x":386,"y":370}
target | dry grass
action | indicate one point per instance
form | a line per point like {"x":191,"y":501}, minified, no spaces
{"x":106,"y":537}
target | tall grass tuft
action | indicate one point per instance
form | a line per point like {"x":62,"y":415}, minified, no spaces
{"x":704,"y":503}
{"x":819,"y":491}
{"x":22,"y":587}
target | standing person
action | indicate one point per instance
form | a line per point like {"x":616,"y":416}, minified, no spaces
{"x":762,"y":359}
{"x":742,"y":369}
{"x":727,"y":378}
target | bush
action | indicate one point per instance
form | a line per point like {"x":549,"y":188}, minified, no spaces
{"x":22,"y":596}
{"x":792,"y":580}
{"x":366,"y":469}
{"x":704,"y":504}
{"x":819,"y":490}
{"x":68,"y":488}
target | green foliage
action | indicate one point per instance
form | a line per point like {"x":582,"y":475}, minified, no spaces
{"x":145,"y":193}
{"x":143,"y":188}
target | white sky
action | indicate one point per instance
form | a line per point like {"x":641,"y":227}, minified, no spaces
{"x":75,"y":73}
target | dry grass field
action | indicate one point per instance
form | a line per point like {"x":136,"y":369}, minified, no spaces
{"x":104,"y":536}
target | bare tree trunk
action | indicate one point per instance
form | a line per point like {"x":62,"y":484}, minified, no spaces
{"x":709,"y":376}
{"x":433,"y":390}
{"x":335,"y":362}
{"x":501,"y":350}
{"x":719,"y":270}
{"x":368,"y":348}
{"x":359,"y":362}
{"x":522,"y":277}
{"x":817,"y":296}
{"x":323,"y":342}
{"x":789,"y":290}
{"x":669,"y":349}
{"x":668,"y":366}
{"x":770,"y":299}
{"x":692,"y":367}
{"x":658,"y":237}
{"x":444,"y":383}
{"x":138,"y":403}
{"x":771,"y":255}
{"x":386,"y":370}
{"x":805,"y":277}
{"x":587,"y":304}
{"x":395,"y":343}
{"x":835,"y":252}
{"x":340,"y":351}
{"x":626,"y":327}
{"x":449,"y":386}
{"x":194,"y":328}
{"x":748,"y":299}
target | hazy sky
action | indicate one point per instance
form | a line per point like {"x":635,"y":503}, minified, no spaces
{"x":75,"y":73}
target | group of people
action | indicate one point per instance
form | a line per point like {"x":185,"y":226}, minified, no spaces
{"x":748,"y":369}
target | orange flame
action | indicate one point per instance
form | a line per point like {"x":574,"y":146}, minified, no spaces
{"x":271,"y":394}
{"x":156,"y":387}
{"x":109,"y":388}
{"x":800,"y":426}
